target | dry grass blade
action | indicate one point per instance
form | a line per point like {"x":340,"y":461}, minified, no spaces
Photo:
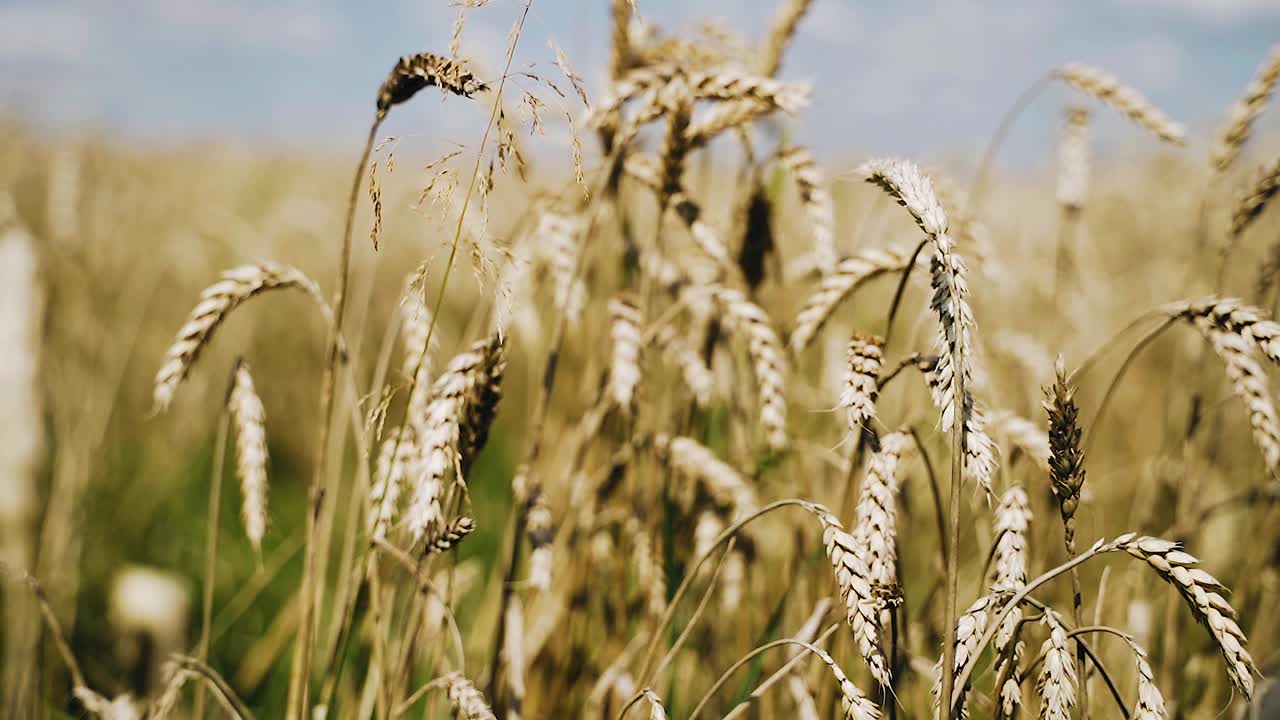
{"x":1106,"y":88}
{"x":216,"y":302}
{"x":249,"y":419}
{"x":415,"y":72}
{"x":1235,"y":131}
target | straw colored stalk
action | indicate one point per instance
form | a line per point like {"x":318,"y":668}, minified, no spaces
{"x":1107,"y":89}
{"x":216,"y":302}
{"x":249,"y":420}
{"x":1239,"y":123}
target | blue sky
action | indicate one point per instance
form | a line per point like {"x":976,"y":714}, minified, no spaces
{"x":924,"y":78}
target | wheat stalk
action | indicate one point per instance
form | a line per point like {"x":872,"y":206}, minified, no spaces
{"x":865,"y":361}
{"x":1239,"y":123}
{"x":747,"y":319}
{"x":1107,"y":89}
{"x":249,"y":418}
{"x":216,"y":302}
{"x":415,"y":72}
{"x":836,"y":285}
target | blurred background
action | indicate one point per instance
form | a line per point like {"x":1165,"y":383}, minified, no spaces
{"x":147,"y":145}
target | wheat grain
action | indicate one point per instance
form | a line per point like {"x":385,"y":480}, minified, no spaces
{"x":415,"y":72}
{"x":836,"y":285}
{"x":1231,"y":315}
{"x":1124,"y":99}
{"x":862,"y":373}
{"x":249,"y":419}
{"x":216,"y":302}
{"x":1239,"y":123}
{"x":468,"y":702}
{"x":559,"y":235}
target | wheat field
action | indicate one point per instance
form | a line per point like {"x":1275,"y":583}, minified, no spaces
{"x":677,"y":417}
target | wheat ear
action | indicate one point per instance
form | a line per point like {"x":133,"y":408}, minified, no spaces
{"x":853,"y":578}
{"x":1057,"y":680}
{"x":415,"y":72}
{"x":1107,"y":89}
{"x":816,"y":202}
{"x":216,"y":302}
{"x":725,"y":485}
{"x":875,"y":517}
{"x":864,"y":363}
{"x":1239,"y":123}
{"x":780,"y":33}
{"x":1150,"y":700}
{"x":747,"y":319}
{"x":249,"y":418}
{"x":836,"y":285}
{"x":1249,"y":206}
{"x":1020,"y":434}
{"x":1012,"y":519}
{"x":468,"y":702}
{"x":969,"y":629}
{"x":625,"y":334}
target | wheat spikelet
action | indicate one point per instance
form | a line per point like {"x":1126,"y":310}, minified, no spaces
{"x":650,"y":576}
{"x":875,"y":517}
{"x":805,"y":709}
{"x":1235,"y":131}
{"x":449,"y":536}
{"x":1204,"y":596}
{"x":656,"y":711}
{"x":862,"y":373}
{"x":969,"y":629}
{"x":1150,"y":701}
{"x":251,"y":452}
{"x":538,"y":525}
{"x":415,"y":72}
{"x":449,"y":402}
{"x":415,"y":326}
{"x":1073,"y":159}
{"x":730,"y":84}
{"x":856,"y":704}
{"x":631,"y":85}
{"x":1057,"y":680}
{"x":1234,"y":330}
{"x":625,"y":334}
{"x":693,"y":370}
{"x":836,"y":285}
{"x":723,"y":116}
{"x":468,"y":702}
{"x":1231,"y":315}
{"x":747,"y":319}
{"x":122,"y":707}
{"x":1012,"y":519}
{"x":482,"y":401}
{"x":853,"y":578}
{"x":904,"y":182}
{"x":645,"y":170}
{"x":780,"y":34}
{"x":676,"y":99}
{"x":979,"y":449}
{"x":1107,"y":89}
{"x":216,"y":302}
{"x":816,"y":202}
{"x":1066,"y":461}
{"x":1251,"y":204}
{"x":725,"y":485}
{"x":558,"y":235}
{"x":396,"y":456}
{"x":1020,"y":434}
{"x":620,"y":12}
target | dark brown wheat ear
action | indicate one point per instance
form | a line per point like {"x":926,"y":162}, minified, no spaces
{"x":415,"y":72}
